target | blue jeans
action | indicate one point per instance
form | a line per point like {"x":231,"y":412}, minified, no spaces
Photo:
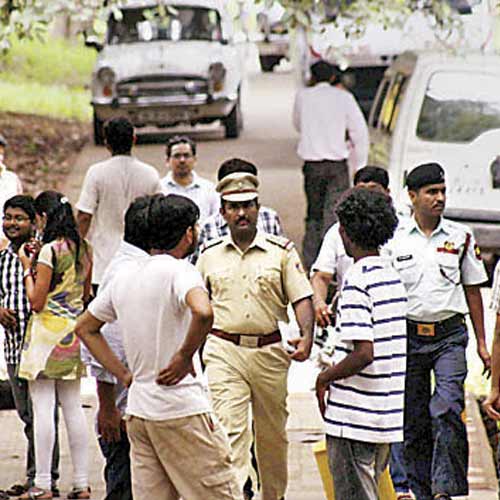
{"x":117,"y":469}
{"x":397,"y":468}
{"x":22,"y":400}
{"x":436,"y":449}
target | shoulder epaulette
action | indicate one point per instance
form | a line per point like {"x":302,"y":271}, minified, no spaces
{"x":280,"y":241}
{"x":211,"y":244}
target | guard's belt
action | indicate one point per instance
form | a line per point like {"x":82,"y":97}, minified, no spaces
{"x":439,"y":327}
{"x":246,"y":340}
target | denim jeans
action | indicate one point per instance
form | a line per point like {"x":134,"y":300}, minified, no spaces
{"x":356,"y":467}
{"x":117,"y":469}
{"x":397,"y":469}
{"x":24,"y":409}
{"x":436,"y":449}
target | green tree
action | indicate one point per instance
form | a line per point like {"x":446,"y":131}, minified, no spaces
{"x":32,"y":18}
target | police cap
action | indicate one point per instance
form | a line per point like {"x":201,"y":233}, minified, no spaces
{"x":238,"y":187}
{"x":425,"y":174}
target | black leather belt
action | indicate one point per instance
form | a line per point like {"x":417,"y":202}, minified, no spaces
{"x":249,"y":340}
{"x":439,"y":328}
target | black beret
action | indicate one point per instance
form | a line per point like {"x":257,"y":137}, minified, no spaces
{"x":423,"y":175}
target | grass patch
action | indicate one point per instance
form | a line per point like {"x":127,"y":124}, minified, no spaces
{"x":57,"y":101}
{"x":53,"y":62}
{"x":47,"y":78}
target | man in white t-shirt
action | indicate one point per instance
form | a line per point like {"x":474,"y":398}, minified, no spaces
{"x":178,"y":448}
{"x":182,"y":179}
{"x":365,"y":385}
{"x":108,"y":189}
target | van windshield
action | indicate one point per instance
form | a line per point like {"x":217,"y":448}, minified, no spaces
{"x":459,"y":106}
{"x":179,"y":23}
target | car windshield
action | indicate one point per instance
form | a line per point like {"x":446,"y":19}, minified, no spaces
{"x":459,"y":106}
{"x":179,"y":23}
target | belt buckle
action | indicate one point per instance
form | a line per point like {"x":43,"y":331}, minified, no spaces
{"x":249,"y":341}
{"x":426,"y":330}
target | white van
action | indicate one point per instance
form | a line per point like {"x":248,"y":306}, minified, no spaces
{"x":434,"y":106}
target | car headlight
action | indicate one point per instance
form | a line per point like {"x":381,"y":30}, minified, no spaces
{"x":107,"y":78}
{"x":217,"y":75}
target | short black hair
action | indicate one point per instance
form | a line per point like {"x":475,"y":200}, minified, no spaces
{"x":168,"y":219}
{"x":24,"y":202}
{"x":371,"y":173}
{"x":179,"y":139}
{"x":119,"y":134}
{"x":136,"y":223}
{"x":236,"y":165}
{"x":322,"y":71}
{"x":368,"y":217}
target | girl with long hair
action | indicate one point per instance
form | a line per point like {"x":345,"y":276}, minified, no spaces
{"x":57,"y":281}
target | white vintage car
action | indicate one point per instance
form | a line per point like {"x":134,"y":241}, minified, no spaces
{"x":164,"y":66}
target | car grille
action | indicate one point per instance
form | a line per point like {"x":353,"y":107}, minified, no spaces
{"x":162,"y":86}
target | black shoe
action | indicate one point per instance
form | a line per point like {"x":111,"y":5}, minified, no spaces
{"x":55,"y":492}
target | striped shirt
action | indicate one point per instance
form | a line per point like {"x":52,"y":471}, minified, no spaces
{"x":372,"y":307}
{"x":215,"y":226}
{"x":13,"y":296}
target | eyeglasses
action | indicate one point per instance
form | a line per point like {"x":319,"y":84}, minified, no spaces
{"x":16,"y":218}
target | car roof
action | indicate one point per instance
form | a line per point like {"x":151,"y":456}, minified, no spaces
{"x":405,"y":63}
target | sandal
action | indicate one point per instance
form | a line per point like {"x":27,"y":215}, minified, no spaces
{"x":79,"y":493}
{"x":17,"y":489}
{"x":35,"y":493}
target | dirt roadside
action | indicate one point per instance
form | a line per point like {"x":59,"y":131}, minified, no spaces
{"x":42,"y":150}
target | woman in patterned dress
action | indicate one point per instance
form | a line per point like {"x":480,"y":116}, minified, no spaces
{"x":57,"y":280}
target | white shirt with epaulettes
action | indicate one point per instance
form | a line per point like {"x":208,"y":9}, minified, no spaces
{"x":433,"y":269}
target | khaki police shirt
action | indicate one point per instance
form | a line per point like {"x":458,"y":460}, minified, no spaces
{"x":250,"y":290}
{"x":433,"y":269}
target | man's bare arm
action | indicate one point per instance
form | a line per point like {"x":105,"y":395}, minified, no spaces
{"x":83,"y":220}
{"x":88,"y":329}
{"x":320,"y":282}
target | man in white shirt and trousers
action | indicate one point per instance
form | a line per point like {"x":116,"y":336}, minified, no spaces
{"x":326,"y":116}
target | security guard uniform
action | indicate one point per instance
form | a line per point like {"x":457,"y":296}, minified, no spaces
{"x":433,"y":270}
{"x":246,"y":363}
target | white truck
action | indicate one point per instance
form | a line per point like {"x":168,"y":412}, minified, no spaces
{"x":165,"y":69}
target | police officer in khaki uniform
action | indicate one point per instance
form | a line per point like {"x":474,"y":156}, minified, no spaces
{"x":251,"y":277}
{"x":441,"y":267}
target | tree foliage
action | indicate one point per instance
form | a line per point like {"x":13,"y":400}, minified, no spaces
{"x":31,"y":18}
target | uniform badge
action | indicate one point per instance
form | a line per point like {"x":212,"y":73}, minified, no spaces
{"x":299,"y":267}
{"x":477,"y":252}
{"x":448,"y":247}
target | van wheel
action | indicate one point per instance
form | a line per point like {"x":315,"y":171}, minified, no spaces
{"x":233,"y":123}
{"x":98,"y":131}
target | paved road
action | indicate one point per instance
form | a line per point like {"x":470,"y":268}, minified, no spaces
{"x":268,"y":140}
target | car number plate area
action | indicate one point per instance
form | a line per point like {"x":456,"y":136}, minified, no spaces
{"x":162,"y":116}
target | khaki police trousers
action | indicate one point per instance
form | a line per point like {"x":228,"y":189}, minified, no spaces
{"x":241,"y":378}
{"x":186,"y":457}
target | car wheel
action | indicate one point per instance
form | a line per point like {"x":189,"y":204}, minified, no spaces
{"x":98,"y":131}
{"x":233,"y":123}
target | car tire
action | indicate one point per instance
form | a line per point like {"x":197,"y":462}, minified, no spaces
{"x":98,"y":131}
{"x":233,"y":123}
